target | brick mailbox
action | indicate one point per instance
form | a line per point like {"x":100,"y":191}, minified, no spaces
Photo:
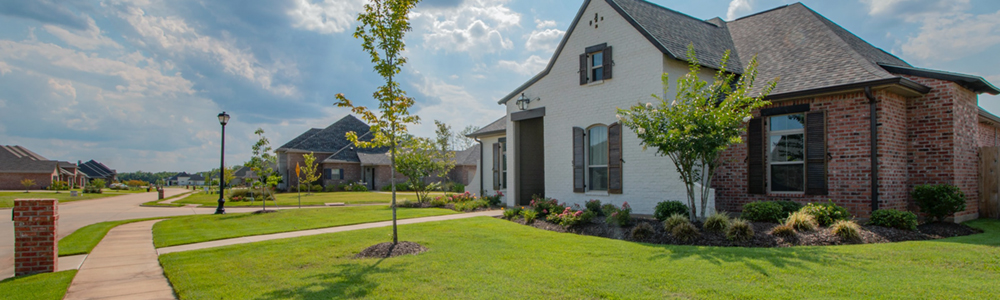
{"x":36,"y":247}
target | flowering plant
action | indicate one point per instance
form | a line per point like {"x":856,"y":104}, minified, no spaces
{"x":620,"y":216}
{"x":569,"y":217}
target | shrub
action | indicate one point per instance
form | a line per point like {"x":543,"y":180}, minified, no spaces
{"x":894,"y":218}
{"x":244,"y":195}
{"x":667,"y":209}
{"x":569,"y":217}
{"x":316,"y":188}
{"x":470,"y":205}
{"x":789,"y":207}
{"x":685,"y":231}
{"x":463,"y":197}
{"x":544,"y":206}
{"x":529,"y":216}
{"x":717,"y":222}
{"x":510,"y":214}
{"x":847,"y":230}
{"x":642,"y":231}
{"x":594,"y":206}
{"x":342,"y":187}
{"x":739,"y":230}
{"x":59,"y":185}
{"x":801,"y":221}
{"x":826,"y":213}
{"x":607,"y":209}
{"x":458,"y":188}
{"x":438,"y":202}
{"x":939,"y":200}
{"x":330,"y":188}
{"x":783,"y":230}
{"x":357,"y":187}
{"x":764,"y":211}
{"x":94,"y":187}
{"x":493,"y":200}
{"x":409,"y":204}
{"x":674,"y":220}
{"x":622,"y":216}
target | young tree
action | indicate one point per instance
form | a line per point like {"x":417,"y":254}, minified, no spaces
{"x":383,"y":25}
{"x":309,"y":170}
{"x":27,"y":183}
{"x":260,"y":164}
{"x":462,"y":141}
{"x":418,"y":159}
{"x":700,"y":123}
{"x":444,"y":135}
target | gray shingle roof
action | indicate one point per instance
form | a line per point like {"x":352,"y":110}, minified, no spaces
{"x":17,"y":159}
{"x":498,"y":126}
{"x":332,"y":139}
{"x":462,"y":158}
{"x":95,"y":169}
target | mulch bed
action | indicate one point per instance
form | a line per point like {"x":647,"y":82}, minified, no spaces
{"x":762,"y":237}
{"x":450,"y":206}
{"x":386,"y":250}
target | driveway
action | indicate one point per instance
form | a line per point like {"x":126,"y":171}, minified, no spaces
{"x":74,"y":215}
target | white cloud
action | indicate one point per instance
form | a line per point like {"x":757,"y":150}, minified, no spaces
{"x":475,"y":26}
{"x":953,"y":36}
{"x":544,"y":40}
{"x":89,"y":39}
{"x":327,"y":16}
{"x":457,"y":107}
{"x":176,"y":36}
{"x":4,"y":68}
{"x":545,"y":23}
{"x":531,"y":66}
{"x":912,"y":10}
{"x":738,"y":7}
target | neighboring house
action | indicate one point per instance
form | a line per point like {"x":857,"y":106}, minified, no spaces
{"x":181,"y":179}
{"x":561,"y":139}
{"x":18,"y":163}
{"x":97,"y":170}
{"x":196,"y":179}
{"x":341,"y":162}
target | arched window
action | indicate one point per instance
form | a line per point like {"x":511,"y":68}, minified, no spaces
{"x":597,"y":158}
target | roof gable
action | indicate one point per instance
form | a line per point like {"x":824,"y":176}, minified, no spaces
{"x":498,"y":126}
{"x":332,"y":139}
{"x":17,"y":159}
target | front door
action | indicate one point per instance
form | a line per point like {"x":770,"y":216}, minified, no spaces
{"x":530,"y":160}
{"x":370,"y":178}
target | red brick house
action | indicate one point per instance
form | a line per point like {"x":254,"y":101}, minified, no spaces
{"x":18,"y":163}
{"x":850,"y":122}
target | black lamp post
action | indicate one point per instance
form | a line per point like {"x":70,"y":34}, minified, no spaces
{"x":223,"y":119}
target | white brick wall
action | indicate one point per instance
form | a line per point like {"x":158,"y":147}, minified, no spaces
{"x":648,"y":178}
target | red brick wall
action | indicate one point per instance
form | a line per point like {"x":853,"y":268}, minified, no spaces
{"x":988,"y":135}
{"x":352,"y":173}
{"x":12,"y":181}
{"x":297,"y":158}
{"x":36,"y":223}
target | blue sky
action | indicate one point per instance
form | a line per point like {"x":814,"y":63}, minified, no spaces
{"x":137,"y":84}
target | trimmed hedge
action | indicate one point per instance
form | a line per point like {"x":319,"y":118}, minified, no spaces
{"x":764,"y":211}
{"x":666,"y":209}
{"x":894,"y":218}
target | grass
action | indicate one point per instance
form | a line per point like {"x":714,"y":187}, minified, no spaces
{"x":291,"y":199}
{"x":7,"y":198}
{"x":203,"y":228}
{"x":83,"y":240}
{"x":38,"y":286}
{"x":491,"y":258}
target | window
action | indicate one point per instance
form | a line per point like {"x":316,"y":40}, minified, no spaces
{"x":330,"y":174}
{"x":597,"y":66}
{"x":597,"y":158}
{"x":786,"y":153}
{"x":503,"y":166}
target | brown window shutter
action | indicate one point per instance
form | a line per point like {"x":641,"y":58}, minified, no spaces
{"x":755,"y":157}
{"x":816,"y":153}
{"x":607,"y":63}
{"x":579,"y":186}
{"x":497,"y":166}
{"x":341,"y":173}
{"x":615,"y":158}
{"x":583,"y":69}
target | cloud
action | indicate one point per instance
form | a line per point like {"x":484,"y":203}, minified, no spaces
{"x":89,"y":39}
{"x":475,"y":26}
{"x":45,"y":11}
{"x":737,"y":8}
{"x":4,"y":68}
{"x":545,"y":23}
{"x":327,"y":16}
{"x":911,"y":10}
{"x":954,"y":35}
{"x":544,"y":40}
{"x":454,"y":106}
{"x":440,"y":3}
{"x":531,"y":66}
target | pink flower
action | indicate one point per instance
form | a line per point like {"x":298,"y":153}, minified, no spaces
{"x":578,"y":213}
{"x":545,"y":211}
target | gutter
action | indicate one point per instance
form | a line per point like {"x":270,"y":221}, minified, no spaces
{"x":874,"y":145}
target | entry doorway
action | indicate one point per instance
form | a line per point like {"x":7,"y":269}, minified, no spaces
{"x":530,"y":160}
{"x":369,"y":178}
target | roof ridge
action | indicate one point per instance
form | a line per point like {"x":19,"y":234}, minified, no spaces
{"x":766,"y":11}
{"x":868,"y":65}
{"x":675,"y":12}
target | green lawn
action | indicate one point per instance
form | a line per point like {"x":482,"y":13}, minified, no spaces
{"x":40,"y":286}
{"x":491,"y":258}
{"x":291,"y":199}
{"x":7,"y":198}
{"x":203,"y":228}
{"x":83,"y":240}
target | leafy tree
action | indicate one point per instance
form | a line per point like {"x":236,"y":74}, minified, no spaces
{"x":383,"y":25}
{"x":419,"y":159}
{"x":27,"y":183}
{"x":444,"y":135}
{"x":260,"y":164}
{"x":310,"y":170}
{"x":462,"y":141}
{"x":700,"y":123}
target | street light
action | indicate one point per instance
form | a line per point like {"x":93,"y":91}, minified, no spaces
{"x":223,"y":119}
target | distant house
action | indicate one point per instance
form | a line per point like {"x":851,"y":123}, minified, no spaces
{"x":341,"y":162}
{"x":182,"y":178}
{"x":196,"y":179}
{"x":96,"y":170}
{"x":18,"y":163}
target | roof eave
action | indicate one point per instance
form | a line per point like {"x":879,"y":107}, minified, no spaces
{"x":901,"y":82}
{"x":487,"y":133}
{"x":975,"y":83}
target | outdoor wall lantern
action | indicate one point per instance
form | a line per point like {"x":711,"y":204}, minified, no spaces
{"x":522,"y":103}
{"x":223,"y":119}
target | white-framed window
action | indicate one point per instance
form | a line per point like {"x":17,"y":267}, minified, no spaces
{"x":503,"y":165}
{"x":596,"y":60}
{"x":786,"y":153}
{"x":597,"y":158}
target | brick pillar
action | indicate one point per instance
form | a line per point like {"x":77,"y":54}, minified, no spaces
{"x":36,"y":249}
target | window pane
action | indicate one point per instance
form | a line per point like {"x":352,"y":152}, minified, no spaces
{"x":787,"y":178}
{"x":597,"y":74}
{"x":597,"y":59}
{"x":789,"y":147}
{"x":599,"y":179}
{"x":789,"y":122}
{"x":598,"y":149}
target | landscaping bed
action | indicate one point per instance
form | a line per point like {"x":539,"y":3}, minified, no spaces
{"x":762,"y":236}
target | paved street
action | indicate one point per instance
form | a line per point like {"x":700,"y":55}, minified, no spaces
{"x":74,"y":215}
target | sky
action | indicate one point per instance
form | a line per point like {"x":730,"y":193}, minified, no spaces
{"x":137,"y":84}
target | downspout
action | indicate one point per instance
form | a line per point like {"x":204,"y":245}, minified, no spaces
{"x":482,"y":190}
{"x":874,"y":146}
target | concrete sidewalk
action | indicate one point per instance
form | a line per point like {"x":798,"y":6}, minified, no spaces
{"x":122,"y":266}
